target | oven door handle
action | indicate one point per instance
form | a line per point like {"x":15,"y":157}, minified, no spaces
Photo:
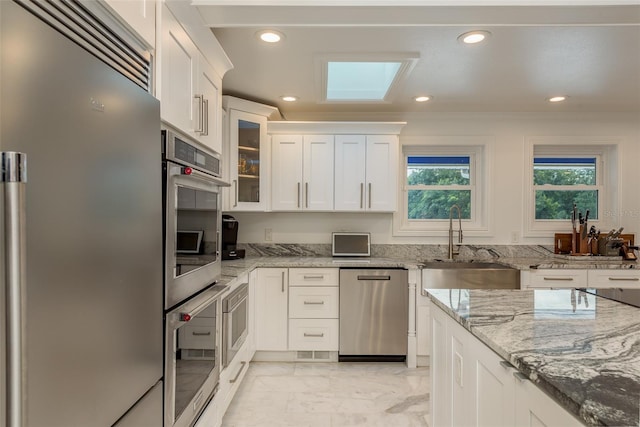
{"x":206,"y":177}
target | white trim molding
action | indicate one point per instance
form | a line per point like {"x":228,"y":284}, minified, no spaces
{"x":607,"y":149}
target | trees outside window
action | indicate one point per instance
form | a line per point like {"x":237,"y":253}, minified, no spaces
{"x":435,"y":183}
{"x":561,"y":182}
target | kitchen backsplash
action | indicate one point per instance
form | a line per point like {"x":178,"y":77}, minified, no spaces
{"x":414,"y":252}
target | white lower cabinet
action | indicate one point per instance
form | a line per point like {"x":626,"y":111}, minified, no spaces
{"x":557,"y":278}
{"x":605,"y":278}
{"x":313,"y":334}
{"x":313,"y":309}
{"x":473,"y":386}
{"x":535,"y":409}
{"x":271,"y":321}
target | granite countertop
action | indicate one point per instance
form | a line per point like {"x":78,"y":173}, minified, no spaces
{"x":587,"y":357}
{"x":239,"y":266}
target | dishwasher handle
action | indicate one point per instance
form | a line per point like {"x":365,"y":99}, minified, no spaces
{"x":373,"y":277}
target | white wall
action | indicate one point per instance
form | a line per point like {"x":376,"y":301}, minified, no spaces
{"x":508,"y":133}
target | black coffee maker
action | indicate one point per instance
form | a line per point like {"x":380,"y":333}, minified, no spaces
{"x":230,"y":238}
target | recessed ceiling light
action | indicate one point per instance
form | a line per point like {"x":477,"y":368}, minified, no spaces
{"x":270,"y":36}
{"x":473,"y":37}
{"x":422,"y":98}
{"x":289,"y":98}
{"x":559,"y":98}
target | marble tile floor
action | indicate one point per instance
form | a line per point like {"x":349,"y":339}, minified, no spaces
{"x":330,"y":395}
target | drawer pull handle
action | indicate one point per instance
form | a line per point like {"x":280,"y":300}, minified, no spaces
{"x":314,"y":276}
{"x":562,"y":279}
{"x":204,"y":334}
{"x":624,"y":279}
{"x":505,"y":364}
{"x":306,"y":335}
{"x":314,"y":303}
{"x":374,"y":277}
{"x":520,"y":376}
{"x":242,"y":366}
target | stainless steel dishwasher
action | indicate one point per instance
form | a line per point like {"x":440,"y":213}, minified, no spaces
{"x":374,"y":314}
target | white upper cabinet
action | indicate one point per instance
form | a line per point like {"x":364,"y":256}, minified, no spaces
{"x":366,"y":172}
{"x":190,"y":89}
{"x":140,"y":15}
{"x":350,"y":172}
{"x":302,"y":177}
{"x":335,"y":166}
{"x":382,"y":173}
{"x":179,"y":65}
{"x":210,"y":85}
{"x":247,"y":153}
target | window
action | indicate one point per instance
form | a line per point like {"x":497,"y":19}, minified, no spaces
{"x":561,"y":182}
{"x":435,"y":183}
{"x":562,"y":171}
{"x":436,"y":177}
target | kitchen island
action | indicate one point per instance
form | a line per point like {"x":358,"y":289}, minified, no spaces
{"x":581,"y":350}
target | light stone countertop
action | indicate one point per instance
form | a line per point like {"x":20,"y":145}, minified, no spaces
{"x":587,"y":359}
{"x":235,"y":268}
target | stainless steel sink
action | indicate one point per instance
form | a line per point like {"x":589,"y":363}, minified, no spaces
{"x":469,"y":275}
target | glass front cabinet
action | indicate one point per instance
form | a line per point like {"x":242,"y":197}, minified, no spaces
{"x":247,"y":149}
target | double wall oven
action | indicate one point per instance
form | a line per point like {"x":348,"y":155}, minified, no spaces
{"x":192,"y":222}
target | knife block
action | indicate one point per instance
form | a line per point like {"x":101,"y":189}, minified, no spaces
{"x":564,"y":244}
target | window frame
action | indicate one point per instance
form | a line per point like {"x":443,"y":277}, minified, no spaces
{"x":605,"y":150}
{"x":476,"y":148}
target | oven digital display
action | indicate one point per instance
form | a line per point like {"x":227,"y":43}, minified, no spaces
{"x":192,"y":156}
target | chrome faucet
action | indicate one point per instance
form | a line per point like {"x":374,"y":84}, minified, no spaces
{"x":451,"y":252}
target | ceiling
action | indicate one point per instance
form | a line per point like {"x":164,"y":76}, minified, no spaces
{"x":590,"y":53}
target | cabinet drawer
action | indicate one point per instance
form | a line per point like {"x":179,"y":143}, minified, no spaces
{"x":559,"y":278}
{"x":313,"y":334}
{"x":314,"y":276}
{"x":313,"y":302}
{"x":614,"y":278}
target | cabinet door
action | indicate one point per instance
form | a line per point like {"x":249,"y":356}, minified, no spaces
{"x":271,"y":309}
{"x":140,"y":15}
{"x":249,"y":160}
{"x":382,"y":173}
{"x":440,"y":400}
{"x":493,"y":397}
{"x":178,"y":80}
{"x":535,"y":409}
{"x":350,"y":151}
{"x":286,"y":180}
{"x":318,"y":172}
{"x":209,"y":84}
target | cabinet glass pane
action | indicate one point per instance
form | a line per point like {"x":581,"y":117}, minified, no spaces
{"x":248,"y":161}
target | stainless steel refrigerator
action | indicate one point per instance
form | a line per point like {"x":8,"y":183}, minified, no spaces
{"x":93,"y":219}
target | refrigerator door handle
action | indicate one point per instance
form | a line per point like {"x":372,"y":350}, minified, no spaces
{"x":13,"y":178}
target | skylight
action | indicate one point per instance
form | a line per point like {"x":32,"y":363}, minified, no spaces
{"x":360,"y":81}
{"x":362,"y":77}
